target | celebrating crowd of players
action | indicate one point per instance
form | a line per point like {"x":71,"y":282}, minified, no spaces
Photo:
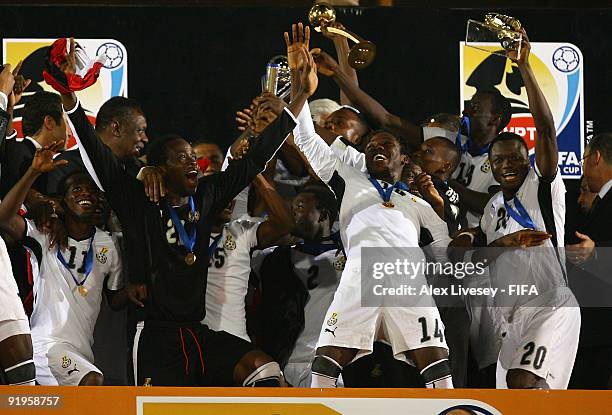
{"x":246,"y":269}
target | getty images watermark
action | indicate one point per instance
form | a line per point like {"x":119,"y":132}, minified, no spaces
{"x":414,"y":277}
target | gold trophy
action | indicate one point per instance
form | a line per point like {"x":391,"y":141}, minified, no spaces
{"x":361,"y":55}
{"x":496,"y":29}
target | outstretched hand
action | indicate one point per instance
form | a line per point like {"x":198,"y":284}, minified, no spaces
{"x":21,"y":84}
{"x":300,"y":38}
{"x":7,"y":80}
{"x":308,"y":74}
{"x":43,"y":158}
{"x":69,"y":65}
{"x":524,"y":238}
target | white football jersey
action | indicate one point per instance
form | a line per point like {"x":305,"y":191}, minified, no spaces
{"x":542,"y":267}
{"x":364,"y":221}
{"x":61,"y":314}
{"x":474,"y":172}
{"x":229,"y":268}
{"x":320,"y":275}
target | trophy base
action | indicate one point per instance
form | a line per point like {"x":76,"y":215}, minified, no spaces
{"x":482,"y":36}
{"x":362,"y":54}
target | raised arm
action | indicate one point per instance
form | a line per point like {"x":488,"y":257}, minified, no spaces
{"x":7,"y":81}
{"x":263,"y":147}
{"x":14,"y":97}
{"x":280,"y":220}
{"x":101,"y":164}
{"x":546,"y":151}
{"x":372,"y":109}
{"x":474,"y":201}
{"x":342,"y":51}
{"x":43,"y":162}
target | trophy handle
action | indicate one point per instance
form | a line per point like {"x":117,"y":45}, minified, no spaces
{"x":340,"y":32}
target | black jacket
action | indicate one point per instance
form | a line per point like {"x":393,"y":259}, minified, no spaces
{"x":592,"y":281}
{"x":75,"y":163}
{"x":176,"y":291}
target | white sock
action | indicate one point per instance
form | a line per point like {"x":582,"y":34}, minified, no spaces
{"x":437,"y":375}
{"x":444,"y":383}
{"x":322,"y":381}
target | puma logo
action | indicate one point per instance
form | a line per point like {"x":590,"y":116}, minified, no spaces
{"x":71,"y":371}
{"x":332,"y":331}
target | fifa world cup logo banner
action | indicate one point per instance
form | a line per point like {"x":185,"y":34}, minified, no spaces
{"x":558,"y":68}
{"x":112,"y":81}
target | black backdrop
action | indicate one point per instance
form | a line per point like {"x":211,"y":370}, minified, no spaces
{"x":193,"y":67}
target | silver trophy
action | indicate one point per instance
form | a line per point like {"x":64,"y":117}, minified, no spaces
{"x":497,"y":29}
{"x":277,"y":78}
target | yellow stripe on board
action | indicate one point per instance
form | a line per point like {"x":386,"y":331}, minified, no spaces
{"x":203,"y":408}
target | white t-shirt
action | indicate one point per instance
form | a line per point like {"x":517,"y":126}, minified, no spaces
{"x":61,"y":314}
{"x":228,"y":278}
{"x":540,"y":267}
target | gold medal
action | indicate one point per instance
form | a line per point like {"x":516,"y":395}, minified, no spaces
{"x":82,"y":291}
{"x":190,"y":259}
{"x":193,"y":216}
{"x":388,"y":205}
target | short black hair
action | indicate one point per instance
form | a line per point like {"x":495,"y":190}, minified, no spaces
{"x":405,"y":147}
{"x":507,"y":136}
{"x":116,"y":109}
{"x":206,"y":141}
{"x":452,"y":148}
{"x":326,"y":200}
{"x":157,"y":153}
{"x":501,"y":106}
{"x":360,"y":117}
{"x":38,"y":106}
{"x":62,"y":186}
{"x":602,"y":143}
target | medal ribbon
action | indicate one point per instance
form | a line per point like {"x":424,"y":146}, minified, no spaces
{"x":520,"y":214}
{"x":464,"y":148}
{"x":386,"y":194}
{"x":187,"y":240}
{"x":88,"y":262}
{"x":213,"y":245}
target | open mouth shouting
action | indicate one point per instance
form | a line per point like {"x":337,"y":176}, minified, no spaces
{"x":380,"y":157}
{"x":86,"y":203}
{"x":510,"y":176}
{"x":192,"y":177}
